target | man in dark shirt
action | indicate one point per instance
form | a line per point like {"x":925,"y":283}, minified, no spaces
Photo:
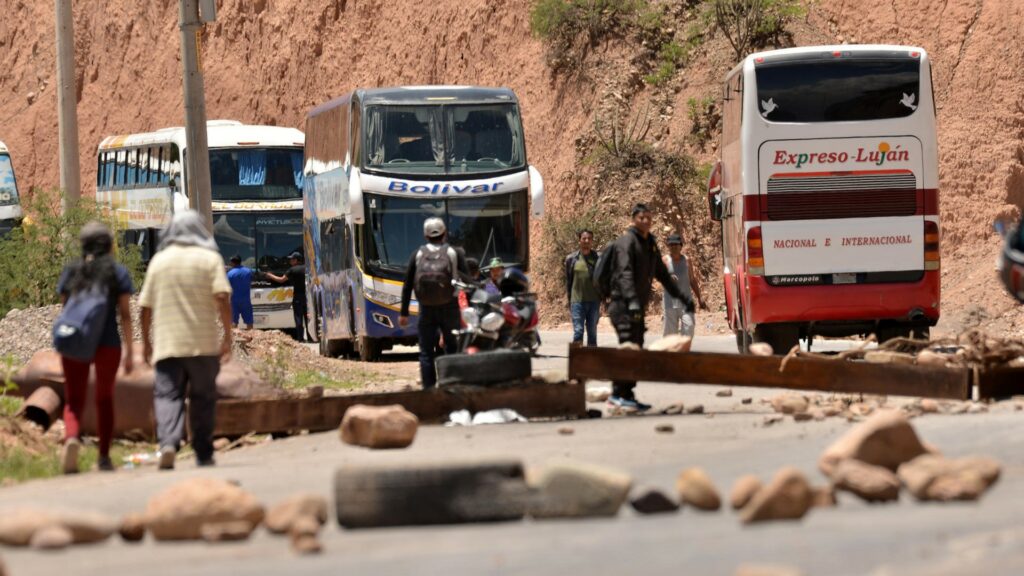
{"x":296,"y":276}
{"x":636,"y":263}
{"x":439,"y":320}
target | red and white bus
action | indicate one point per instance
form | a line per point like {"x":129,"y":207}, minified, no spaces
{"x":827,"y":191}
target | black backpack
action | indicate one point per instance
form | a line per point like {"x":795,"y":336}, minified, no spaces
{"x":434,"y":274}
{"x":603,"y":271}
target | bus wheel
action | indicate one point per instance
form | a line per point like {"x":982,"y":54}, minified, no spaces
{"x":368,"y":348}
{"x":781,"y":337}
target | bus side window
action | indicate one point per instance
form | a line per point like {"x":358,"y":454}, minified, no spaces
{"x":346,"y":244}
{"x":121,"y":175}
{"x":143,"y":166}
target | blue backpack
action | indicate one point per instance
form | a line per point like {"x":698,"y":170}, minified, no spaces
{"x":78,"y":328}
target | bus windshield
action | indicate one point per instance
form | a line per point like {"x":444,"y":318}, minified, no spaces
{"x":267,"y":174}
{"x":262,"y":240}
{"x":444,"y":139}
{"x":485,"y":227}
{"x":8,"y":190}
{"x":838,"y":90}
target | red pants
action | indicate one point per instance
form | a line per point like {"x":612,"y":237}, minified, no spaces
{"x":76,"y":384}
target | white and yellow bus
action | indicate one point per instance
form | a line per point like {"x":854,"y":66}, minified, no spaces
{"x":10,"y":205}
{"x":257,"y":183}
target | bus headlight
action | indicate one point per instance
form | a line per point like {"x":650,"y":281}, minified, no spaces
{"x":382,"y":297}
{"x":470,"y":317}
{"x":492,"y":322}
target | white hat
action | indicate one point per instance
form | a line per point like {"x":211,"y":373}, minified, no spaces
{"x":433,"y":228}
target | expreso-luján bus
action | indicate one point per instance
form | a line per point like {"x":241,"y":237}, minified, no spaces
{"x":381,"y":161}
{"x":10,"y":204}
{"x":827,"y":191}
{"x":256,"y":189}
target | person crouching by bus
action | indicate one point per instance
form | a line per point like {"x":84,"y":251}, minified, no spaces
{"x":495,"y":269}
{"x":296,"y":276}
{"x":636,"y":262}
{"x":584,"y":301}
{"x":184,"y":295}
{"x":679,"y":320}
{"x":96,"y":268}
{"x":240,"y":278}
{"x":430,"y":272}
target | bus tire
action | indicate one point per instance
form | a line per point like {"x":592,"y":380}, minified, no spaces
{"x":483,"y":367}
{"x":781,"y":337}
{"x":409,"y":495}
{"x":367,"y":348}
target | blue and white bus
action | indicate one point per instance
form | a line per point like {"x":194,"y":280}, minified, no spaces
{"x":378,"y":162}
{"x":10,"y":205}
{"x":256,"y":189}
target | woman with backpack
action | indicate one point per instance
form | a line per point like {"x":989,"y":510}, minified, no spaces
{"x":95,"y":290}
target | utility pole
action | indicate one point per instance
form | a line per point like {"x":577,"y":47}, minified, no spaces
{"x":197,"y":149}
{"x":67,"y":106}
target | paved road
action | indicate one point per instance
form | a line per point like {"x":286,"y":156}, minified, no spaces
{"x":906,"y":538}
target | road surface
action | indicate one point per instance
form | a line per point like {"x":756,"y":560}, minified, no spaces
{"x":906,"y":538}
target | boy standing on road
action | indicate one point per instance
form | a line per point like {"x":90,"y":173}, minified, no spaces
{"x":678,"y":320}
{"x":584,"y":301}
{"x":430,"y":272}
{"x":636,"y":261}
{"x":184,"y":294}
{"x":240,"y":278}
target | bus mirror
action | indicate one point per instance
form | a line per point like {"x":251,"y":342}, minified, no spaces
{"x":355,"y":198}
{"x":536,"y":192}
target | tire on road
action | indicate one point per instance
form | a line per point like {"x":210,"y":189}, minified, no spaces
{"x":483,"y":367}
{"x":430,"y":494}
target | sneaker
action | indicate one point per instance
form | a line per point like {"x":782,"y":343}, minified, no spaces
{"x":69,"y":455}
{"x":628,"y":403}
{"x":167,"y":456}
{"x":105,"y":464}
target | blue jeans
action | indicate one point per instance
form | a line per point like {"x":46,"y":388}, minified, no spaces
{"x":585,"y":315}
{"x":434,"y":322}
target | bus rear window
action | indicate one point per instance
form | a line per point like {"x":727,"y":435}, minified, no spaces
{"x":838,"y":90}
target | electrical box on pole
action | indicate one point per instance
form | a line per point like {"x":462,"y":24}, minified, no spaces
{"x":208,"y":10}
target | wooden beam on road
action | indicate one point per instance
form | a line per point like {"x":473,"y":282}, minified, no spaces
{"x":1001,"y":382}
{"x":534,"y":399}
{"x":763,"y":372}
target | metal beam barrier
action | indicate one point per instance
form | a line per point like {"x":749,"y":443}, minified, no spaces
{"x":763,"y":372}
{"x":534,"y":399}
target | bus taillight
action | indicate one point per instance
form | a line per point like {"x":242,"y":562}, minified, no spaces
{"x":755,"y":252}
{"x":931,"y":245}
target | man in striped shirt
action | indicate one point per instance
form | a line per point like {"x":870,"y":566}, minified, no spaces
{"x":185,"y":292}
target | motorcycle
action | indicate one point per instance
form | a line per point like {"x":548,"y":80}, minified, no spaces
{"x":1011,"y":261}
{"x":499,"y":321}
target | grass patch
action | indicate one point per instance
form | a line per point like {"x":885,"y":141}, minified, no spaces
{"x":309,"y":378}
{"x":20,"y":465}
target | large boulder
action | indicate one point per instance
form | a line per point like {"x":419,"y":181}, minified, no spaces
{"x":932,"y":477}
{"x":787,"y":497}
{"x":743,"y":490}
{"x":577,"y":490}
{"x":181,"y":511}
{"x":885,"y":439}
{"x":379,"y":426}
{"x":695,"y":488}
{"x":281,"y":517}
{"x":871,"y":483}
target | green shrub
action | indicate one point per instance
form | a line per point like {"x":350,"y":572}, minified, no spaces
{"x":33,"y":254}
{"x":705,"y":120}
{"x":671,"y":56}
{"x":572,"y":28}
{"x":753,"y":24}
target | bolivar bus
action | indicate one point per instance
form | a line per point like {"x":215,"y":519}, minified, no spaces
{"x":827,"y":190}
{"x":256,"y":187}
{"x":10,"y":205}
{"x":378,"y":163}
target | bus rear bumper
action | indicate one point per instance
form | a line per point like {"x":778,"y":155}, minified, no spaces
{"x":910,"y":303}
